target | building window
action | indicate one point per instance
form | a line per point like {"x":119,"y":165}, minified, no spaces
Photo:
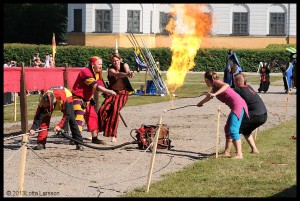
{"x":133,"y":21}
{"x":240,"y":24}
{"x":77,"y":20}
{"x":163,"y":21}
{"x":277,"y":25}
{"x":103,"y":22}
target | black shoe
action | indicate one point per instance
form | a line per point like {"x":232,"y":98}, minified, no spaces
{"x":39,"y":147}
{"x":95,"y":140}
{"x":79,"y":147}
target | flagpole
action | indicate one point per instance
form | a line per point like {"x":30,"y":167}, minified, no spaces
{"x":53,"y":48}
{"x":116,"y":50}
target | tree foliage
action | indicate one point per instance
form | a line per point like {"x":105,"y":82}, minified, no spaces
{"x":35,"y":23}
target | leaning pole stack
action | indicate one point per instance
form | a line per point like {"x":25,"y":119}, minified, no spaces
{"x":144,"y":58}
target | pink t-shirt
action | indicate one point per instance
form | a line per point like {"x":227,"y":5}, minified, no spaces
{"x":234,"y":101}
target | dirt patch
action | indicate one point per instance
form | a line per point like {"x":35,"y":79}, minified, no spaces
{"x":61,"y":171}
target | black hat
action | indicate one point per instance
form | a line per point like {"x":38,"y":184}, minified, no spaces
{"x":48,"y":97}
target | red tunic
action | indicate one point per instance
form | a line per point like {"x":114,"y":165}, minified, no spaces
{"x":86,"y":84}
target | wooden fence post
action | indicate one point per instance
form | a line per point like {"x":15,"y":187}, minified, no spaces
{"x":218,"y":131}
{"x":153,"y":155}
{"x":23,"y":101}
{"x":24,"y":125}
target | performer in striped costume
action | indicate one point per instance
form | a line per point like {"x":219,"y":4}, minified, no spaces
{"x":109,"y":112}
{"x":88,"y":81}
{"x":56,"y":98}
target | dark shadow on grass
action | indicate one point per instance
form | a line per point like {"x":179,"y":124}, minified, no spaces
{"x":292,"y":93}
{"x":289,"y":192}
{"x":182,"y":153}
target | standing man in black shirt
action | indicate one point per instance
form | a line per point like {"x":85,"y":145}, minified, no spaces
{"x":256,"y":107}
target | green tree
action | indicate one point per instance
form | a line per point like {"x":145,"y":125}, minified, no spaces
{"x":35,"y":23}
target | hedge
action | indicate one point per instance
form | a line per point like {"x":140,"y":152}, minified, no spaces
{"x":78,"y":56}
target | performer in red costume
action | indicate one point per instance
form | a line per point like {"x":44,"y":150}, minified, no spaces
{"x":56,"y":98}
{"x":88,"y":81}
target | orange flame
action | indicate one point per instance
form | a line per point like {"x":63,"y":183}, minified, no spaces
{"x":187,"y":26}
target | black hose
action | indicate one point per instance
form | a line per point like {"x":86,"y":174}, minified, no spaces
{"x":96,"y":147}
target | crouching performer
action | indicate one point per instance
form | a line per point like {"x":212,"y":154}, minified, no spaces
{"x":60,"y":99}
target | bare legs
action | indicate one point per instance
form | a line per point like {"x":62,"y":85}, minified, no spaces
{"x":94,"y":133}
{"x":227,"y":148}
{"x":250,"y":140}
{"x":238,"y":147}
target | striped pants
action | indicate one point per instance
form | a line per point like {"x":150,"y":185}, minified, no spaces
{"x":109,"y":113}
{"x":87,"y":114}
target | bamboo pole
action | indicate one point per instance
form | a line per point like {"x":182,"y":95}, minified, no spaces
{"x":22,"y":165}
{"x":15,"y":108}
{"x":153,"y":155}
{"x":218,"y":131}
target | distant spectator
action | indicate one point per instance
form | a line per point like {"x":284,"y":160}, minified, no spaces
{"x":36,"y":56}
{"x":10,"y":63}
{"x":7,"y":64}
{"x":47,"y":61}
{"x":51,"y":61}
{"x":37,"y":63}
{"x":264,"y":71}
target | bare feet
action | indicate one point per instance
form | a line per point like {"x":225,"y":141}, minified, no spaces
{"x":254,"y":152}
{"x":224,"y":155}
{"x":237,"y":157}
{"x":113,"y":139}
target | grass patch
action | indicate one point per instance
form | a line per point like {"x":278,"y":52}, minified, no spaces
{"x":272,"y":173}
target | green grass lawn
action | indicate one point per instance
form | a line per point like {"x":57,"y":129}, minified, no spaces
{"x":271,"y":173}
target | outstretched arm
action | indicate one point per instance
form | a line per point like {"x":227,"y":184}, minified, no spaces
{"x":204,"y":100}
{"x":105,"y":90}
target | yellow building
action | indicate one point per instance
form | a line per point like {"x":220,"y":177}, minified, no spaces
{"x":238,"y":26}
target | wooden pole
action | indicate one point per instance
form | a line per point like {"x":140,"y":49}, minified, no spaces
{"x":255,"y":133}
{"x":24,"y":126}
{"x":218,"y":131}
{"x":23,"y":101}
{"x":97,"y":100}
{"x":66,"y":84}
{"x":146,"y":81}
{"x":15,"y":108}
{"x":22,"y":165}
{"x":286,"y":103}
{"x":153,"y":155}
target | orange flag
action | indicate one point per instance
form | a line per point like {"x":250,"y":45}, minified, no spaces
{"x":53,"y":47}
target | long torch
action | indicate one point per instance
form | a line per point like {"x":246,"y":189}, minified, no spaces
{"x":37,"y":131}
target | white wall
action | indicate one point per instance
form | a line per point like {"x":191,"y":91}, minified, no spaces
{"x":222,"y":17}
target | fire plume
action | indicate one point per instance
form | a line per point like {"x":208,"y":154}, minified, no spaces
{"x":187,"y":26}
